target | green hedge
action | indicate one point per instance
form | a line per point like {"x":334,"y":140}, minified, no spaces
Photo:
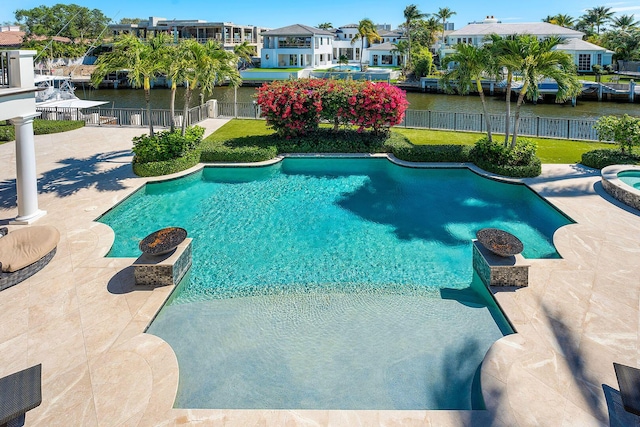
{"x":599,"y":159}
{"x":433,"y":153}
{"x":166,"y":167}
{"x":40,"y":127}
{"x":526,"y":171}
{"x":226,"y":154}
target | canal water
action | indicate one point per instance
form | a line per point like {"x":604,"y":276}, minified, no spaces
{"x":134,"y":98}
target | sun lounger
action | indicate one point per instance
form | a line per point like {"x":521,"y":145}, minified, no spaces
{"x":24,"y":252}
{"x":629,"y":382}
{"x":19,"y":393}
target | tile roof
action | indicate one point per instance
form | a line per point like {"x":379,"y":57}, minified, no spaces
{"x":578,"y":44}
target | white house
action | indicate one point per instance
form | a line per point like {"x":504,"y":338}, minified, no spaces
{"x":585,"y":54}
{"x":297,"y":46}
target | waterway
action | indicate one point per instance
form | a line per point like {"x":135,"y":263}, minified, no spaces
{"x":134,"y":98}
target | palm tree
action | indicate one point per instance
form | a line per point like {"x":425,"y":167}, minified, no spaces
{"x":245,"y":52}
{"x":624,"y":22}
{"x":143,"y":62}
{"x":401,"y":48}
{"x":538,"y":60}
{"x":563,"y":20}
{"x":471,"y":63}
{"x":366,"y":31}
{"x":204,"y":66}
{"x":599,"y":15}
{"x":504,"y":54}
{"x":411,"y":15}
{"x":325,"y":26}
{"x":444,"y":13}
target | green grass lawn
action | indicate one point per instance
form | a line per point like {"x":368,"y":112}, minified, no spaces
{"x":260,"y":70}
{"x":549,"y":150}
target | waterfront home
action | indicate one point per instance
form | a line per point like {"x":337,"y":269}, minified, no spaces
{"x":296,"y":46}
{"x":227,"y":34}
{"x":585,"y":54}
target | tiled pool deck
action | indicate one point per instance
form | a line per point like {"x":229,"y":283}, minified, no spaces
{"x":81,"y":318}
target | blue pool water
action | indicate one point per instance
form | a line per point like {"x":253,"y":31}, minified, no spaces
{"x":631,"y":178}
{"x":332,"y":283}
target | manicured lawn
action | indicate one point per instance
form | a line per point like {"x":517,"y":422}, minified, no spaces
{"x":260,"y":70}
{"x":549,"y":150}
{"x":605,"y":78}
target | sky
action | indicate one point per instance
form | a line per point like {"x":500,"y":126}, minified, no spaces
{"x":280,"y":13}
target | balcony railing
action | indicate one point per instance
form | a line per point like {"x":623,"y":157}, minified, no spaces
{"x":4,"y":69}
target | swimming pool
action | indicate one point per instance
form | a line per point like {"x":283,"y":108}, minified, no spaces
{"x":332,"y":283}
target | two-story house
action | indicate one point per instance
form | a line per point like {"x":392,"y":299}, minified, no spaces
{"x":297,"y":46}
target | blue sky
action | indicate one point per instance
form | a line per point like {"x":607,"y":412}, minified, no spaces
{"x":280,"y":13}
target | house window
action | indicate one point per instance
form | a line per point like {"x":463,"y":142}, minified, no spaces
{"x":584,"y":62}
{"x":321,"y":57}
{"x":599,"y":59}
{"x":387,"y":59}
{"x":357,"y":54}
{"x":375,"y":59}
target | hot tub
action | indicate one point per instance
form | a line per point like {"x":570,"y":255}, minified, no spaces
{"x":623,"y":183}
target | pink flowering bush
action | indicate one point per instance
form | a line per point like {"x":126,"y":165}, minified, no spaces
{"x":376,"y":106}
{"x":295,"y":107}
{"x":291,"y":107}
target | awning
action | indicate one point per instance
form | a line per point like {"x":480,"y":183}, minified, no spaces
{"x":70,"y":103}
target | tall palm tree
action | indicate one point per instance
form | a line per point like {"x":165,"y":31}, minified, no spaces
{"x":143,"y":62}
{"x":444,"y":13}
{"x":599,"y":16}
{"x":505,"y":52}
{"x":205,"y":65}
{"x":366,"y":31}
{"x":624,"y":22}
{"x":472,"y":62}
{"x":538,"y":60}
{"x":411,"y":15}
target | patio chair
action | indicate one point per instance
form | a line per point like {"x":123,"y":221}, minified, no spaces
{"x":629,"y":382}
{"x":24,"y":252}
{"x":20,"y":392}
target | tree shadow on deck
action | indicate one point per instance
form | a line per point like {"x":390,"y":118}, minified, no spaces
{"x":74,"y":174}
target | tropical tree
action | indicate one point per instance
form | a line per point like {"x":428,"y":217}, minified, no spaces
{"x":599,"y":16}
{"x":325,"y":26}
{"x":411,"y":15}
{"x":401,"y":48}
{"x":471,"y":63}
{"x":624,"y":22}
{"x":539,"y":59}
{"x":504,"y":54}
{"x":426,"y":32}
{"x":205,"y":65}
{"x":625,"y":44}
{"x":366,"y":31}
{"x":444,"y":13}
{"x":143,"y":62}
{"x":563,"y":20}
{"x":65,"y":20}
{"x":245,"y":52}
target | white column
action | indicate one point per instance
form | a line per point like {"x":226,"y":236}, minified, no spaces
{"x":26,"y":180}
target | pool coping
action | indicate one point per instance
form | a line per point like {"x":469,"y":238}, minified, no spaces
{"x":619,"y":190}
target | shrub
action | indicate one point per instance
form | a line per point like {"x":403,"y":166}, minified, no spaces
{"x":599,"y":159}
{"x":294,"y":108}
{"x":167,"y":167}
{"x":40,"y":127}
{"x":248,"y":154}
{"x":291,"y":107}
{"x":517,"y":162}
{"x":433,"y":153}
{"x":166,"y":145}
{"x":624,"y":131}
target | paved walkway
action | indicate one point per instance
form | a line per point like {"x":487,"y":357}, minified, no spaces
{"x":83,"y":320}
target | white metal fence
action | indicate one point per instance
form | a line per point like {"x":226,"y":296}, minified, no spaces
{"x":550,"y":127}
